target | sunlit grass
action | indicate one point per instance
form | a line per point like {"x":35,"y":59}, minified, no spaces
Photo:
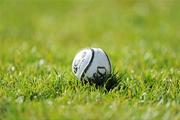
{"x":39,"y":39}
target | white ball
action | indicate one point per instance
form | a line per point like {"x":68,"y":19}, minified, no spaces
{"x":90,"y":64}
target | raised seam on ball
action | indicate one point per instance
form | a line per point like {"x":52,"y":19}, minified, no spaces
{"x":86,"y":69}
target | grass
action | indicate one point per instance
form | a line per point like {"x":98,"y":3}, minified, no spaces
{"x":39,"y":39}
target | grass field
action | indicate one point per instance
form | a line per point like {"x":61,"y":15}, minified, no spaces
{"x":39,"y":39}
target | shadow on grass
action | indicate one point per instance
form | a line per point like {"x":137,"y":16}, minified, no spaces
{"x":107,"y":82}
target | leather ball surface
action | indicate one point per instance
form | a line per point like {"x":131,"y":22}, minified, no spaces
{"x":90,"y":64}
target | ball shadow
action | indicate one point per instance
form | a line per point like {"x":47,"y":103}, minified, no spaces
{"x":107,"y":82}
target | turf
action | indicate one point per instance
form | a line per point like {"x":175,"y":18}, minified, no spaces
{"x":39,"y":39}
